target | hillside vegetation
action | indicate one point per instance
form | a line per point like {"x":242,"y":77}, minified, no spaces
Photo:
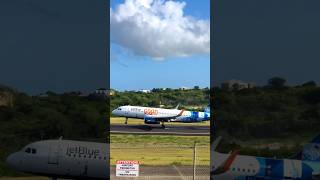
{"x":191,"y":99}
{"x":29,"y":119}
{"x":274,"y":113}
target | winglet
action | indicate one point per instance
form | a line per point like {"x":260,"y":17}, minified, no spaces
{"x":181,"y":112}
{"x":227,"y":163}
{"x":216,"y":142}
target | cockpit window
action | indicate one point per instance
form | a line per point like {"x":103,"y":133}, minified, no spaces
{"x":28,"y":150}
{"x":34,"y":151}
{"x":119,"y":109}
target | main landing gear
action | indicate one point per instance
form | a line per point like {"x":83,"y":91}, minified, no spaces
{"x":126,"y":122}
{"x":162,"y":125}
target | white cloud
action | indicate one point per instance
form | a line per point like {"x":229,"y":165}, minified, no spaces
{"x":158,"y":29}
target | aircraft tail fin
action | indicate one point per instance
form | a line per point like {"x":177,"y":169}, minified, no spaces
{"x":310,"y":151}
{"x":207,"y":109}
{"x":177,"y":106}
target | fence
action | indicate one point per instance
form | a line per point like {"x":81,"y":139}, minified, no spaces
{"x":164,"y":162}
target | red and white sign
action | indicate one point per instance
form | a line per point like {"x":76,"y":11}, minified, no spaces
{"x":127,"y":168}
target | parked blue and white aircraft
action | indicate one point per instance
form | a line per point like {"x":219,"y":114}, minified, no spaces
{"x":156,"y":115}
{"x":304,"y":165}
{"x":63,"y":159}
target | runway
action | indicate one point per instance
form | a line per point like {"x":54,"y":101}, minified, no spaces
{"x":182,"y":130}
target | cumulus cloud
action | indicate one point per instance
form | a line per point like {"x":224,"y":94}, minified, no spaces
{"x":158,"y":29}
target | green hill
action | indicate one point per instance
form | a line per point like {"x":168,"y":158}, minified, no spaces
{"x":191,"y":99}
{"x":24,"y":119}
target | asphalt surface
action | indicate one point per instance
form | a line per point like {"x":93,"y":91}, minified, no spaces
{"x":157,"y":129}
{"x":168,"y":172}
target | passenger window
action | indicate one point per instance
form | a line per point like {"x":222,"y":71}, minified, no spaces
{"x":28,"y":150}
{"x":34,"y":151}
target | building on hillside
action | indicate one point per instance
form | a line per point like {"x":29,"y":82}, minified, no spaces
{"x":99,"y":94}
{"x":184,"y":88}
{"x":101,"y":91}
{"x":112,"y":92}
{"x":236,"y":85}
{"x":144,"y":90}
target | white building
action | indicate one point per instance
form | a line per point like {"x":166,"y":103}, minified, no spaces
{"x":236,"y":85}
{"x":101,"y":91}
{"x":144,"y":90}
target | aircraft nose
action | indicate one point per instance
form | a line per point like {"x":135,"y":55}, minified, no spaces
{"x":114,"y":112}
{"x":13,"y":161}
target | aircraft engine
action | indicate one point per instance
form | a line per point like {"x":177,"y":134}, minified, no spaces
{"x":148,"y":120}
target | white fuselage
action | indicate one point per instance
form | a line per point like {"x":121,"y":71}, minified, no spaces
{"x":242,"y":166}
{"x":246,"y":167}
{"x":141,"y":112}
{"x":63,"y":158}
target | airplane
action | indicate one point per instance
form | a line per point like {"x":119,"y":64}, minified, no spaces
{"x":63,"y":159}
{"x":304,"y":165}
{"x":156,"y":115}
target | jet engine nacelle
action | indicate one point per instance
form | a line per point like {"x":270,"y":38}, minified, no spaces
{"x":148,"y":120}
{"x":190,"y":120}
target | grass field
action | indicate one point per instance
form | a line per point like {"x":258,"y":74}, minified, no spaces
{"x":159,"y":150}
{"x":133,"y":121}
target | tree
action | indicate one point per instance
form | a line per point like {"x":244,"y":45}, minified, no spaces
{"x":309,"y":84}
{"x":277,"y":82}
{"x":196,"y":87}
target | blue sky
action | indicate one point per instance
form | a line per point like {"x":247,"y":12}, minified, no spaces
{"x":53,"y":46}
{"x":138,"y":68}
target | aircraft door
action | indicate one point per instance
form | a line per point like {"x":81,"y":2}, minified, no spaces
{"x":84,"y":169}
{"x":54,"y":153}
{"x":126,"y":112}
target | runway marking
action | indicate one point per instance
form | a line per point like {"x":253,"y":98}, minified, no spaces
{"x":175,"y":167}
{"x":167,"y":133}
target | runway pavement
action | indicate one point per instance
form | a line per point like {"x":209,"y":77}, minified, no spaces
{"x":157,"y":129}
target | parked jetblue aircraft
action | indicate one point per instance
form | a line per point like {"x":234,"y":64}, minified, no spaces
{"x":305,"y":165}
{"x":157,"y":115}
{"x":63,"y":159}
